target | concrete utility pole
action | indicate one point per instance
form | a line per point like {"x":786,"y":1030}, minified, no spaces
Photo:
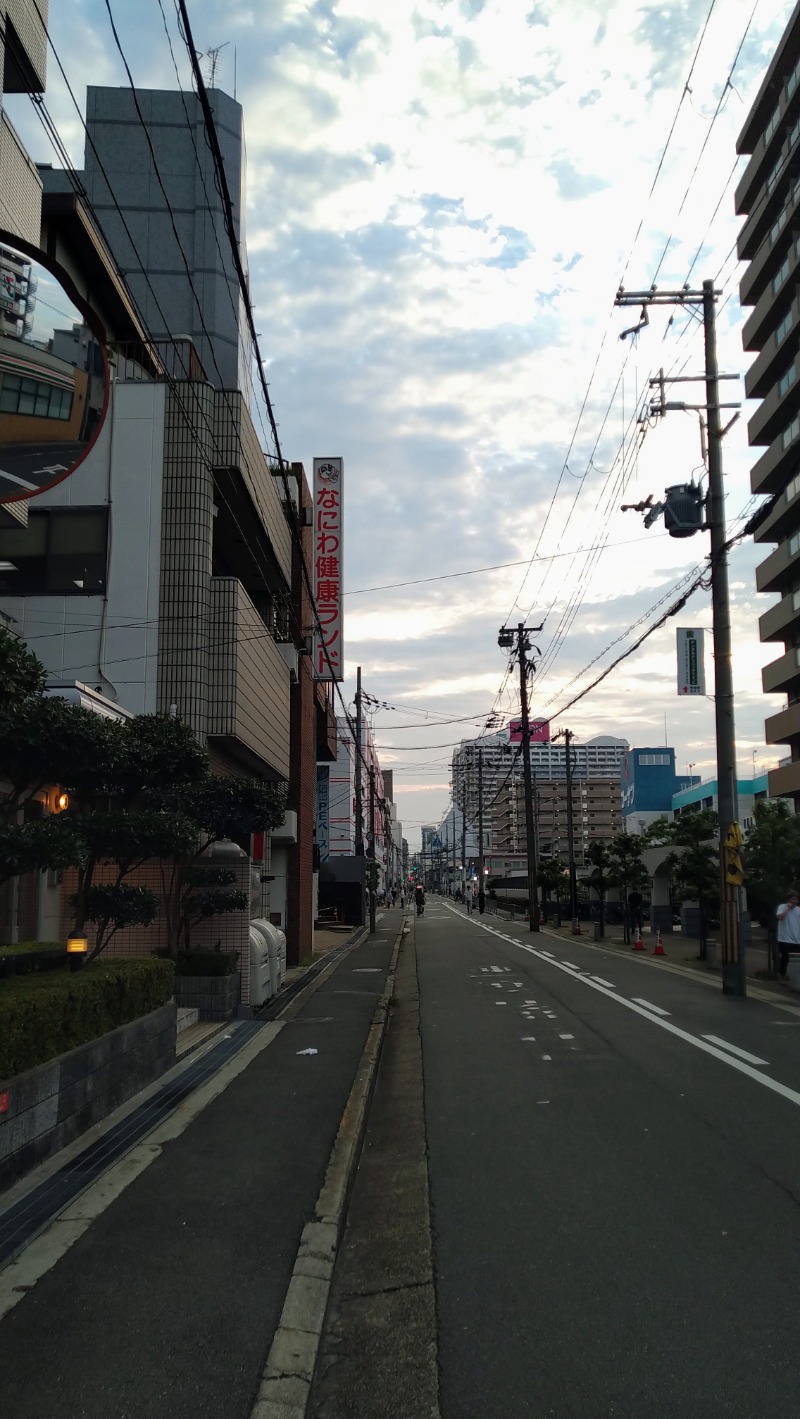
{"x":359,"y":796}
{"x":481,"y":885}
{"x":573,"y":875}
{"x":734,"y":971}
{"x":464,"y":838}
{"x":526,"y":667}
{"x":374,"y":872}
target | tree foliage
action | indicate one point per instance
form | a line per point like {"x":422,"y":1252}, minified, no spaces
{"x":21,"y":674}
{"x":112,"y":905}
{"x":771,"y":856}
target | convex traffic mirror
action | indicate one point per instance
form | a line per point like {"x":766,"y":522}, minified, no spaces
{"x":53,"y":377}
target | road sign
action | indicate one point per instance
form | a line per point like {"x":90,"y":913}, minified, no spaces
{"x":691,"y":666}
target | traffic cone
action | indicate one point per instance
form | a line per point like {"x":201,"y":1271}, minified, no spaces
{"x":658,"y":949}
{"x":638,"y":944}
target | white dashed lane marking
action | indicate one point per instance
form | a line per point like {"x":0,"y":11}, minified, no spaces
{"x":648,"y":1005}
{"x":734,"y":1049}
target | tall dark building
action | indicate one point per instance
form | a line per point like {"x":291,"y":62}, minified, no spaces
{"x":768,"y":196}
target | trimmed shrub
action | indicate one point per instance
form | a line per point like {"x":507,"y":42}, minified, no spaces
{"x":206,"y":963}
{"x":44,"y":1015}
{"x":20,"y":948}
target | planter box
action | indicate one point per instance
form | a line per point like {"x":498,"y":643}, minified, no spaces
{"x":51,"y":1105}
{"x":213,"y":997}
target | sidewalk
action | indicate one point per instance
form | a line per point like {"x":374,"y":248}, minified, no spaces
{"x":166,"y":1306}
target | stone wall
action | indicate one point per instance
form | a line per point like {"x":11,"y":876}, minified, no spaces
{"x":51,"y":1105}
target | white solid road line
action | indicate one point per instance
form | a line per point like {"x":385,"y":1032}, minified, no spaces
{"x":702,"y":1043}
{"x":734,"y":1049}
{"x":658,"y":1011}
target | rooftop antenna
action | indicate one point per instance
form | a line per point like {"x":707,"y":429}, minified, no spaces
{"x":213,"y":56}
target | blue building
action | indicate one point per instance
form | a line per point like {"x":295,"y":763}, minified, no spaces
{"x":704,"y":795}
{"x":648,"y":784}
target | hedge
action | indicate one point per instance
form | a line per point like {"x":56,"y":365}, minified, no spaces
{"x":24,"y":948}
{"x":45,"y":1015}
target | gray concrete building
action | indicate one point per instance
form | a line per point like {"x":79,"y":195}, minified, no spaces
{"x":122,"y":183}
{"x":768,"y":196}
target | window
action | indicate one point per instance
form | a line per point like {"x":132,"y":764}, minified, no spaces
{"x":784,"y":327}
{"x":780,"y":276}
{"x":793,"y":80}
{"x":31,"y":396}
{"x":62,"y":551}
{"x":793,"y":488}
{"x":794,"y":544}
{"x":650,"y":760}
{"x":790,"y":434}
{"x":772,"y":125}
{"x":778,"y":226}
{"x":787,"y":380}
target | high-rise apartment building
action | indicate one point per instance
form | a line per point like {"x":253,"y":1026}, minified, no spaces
{"x":768,"y":196}
{"x":599,"y":757}
{"x":139,"y":222}
{"x":596,"y":814}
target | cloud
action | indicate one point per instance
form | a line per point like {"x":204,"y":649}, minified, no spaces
{"x":442,"y":199}
{"x":573,"y":184}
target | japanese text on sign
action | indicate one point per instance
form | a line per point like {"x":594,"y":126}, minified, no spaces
{"x":328,"y":566}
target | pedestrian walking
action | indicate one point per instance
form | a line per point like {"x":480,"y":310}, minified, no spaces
{"x":468,"y":900}
{"x":788,"y":917}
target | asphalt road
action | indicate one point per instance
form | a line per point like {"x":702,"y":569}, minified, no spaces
{"x":28,"y":466}
{"x":166,"y":1307}
{"x":614,"y":1194}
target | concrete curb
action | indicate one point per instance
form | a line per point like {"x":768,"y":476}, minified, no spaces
{"x":286,"y":1382}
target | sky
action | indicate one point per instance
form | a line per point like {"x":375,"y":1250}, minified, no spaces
{"x":443,"y":200}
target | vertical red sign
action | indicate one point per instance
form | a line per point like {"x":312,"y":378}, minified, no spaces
{"x":328,"y":568}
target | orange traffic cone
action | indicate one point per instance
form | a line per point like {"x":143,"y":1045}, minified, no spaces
{"x":658,"y":949}
{"x":638,"y":944}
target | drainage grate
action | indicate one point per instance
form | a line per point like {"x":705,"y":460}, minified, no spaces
{"x":24,"y":1219}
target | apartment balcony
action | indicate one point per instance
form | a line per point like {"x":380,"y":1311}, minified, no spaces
{"x":773,"y":303}
{"x":783,"y":517}
{"x":248,"y":684}
{"x":772,"y":144}
{"x":782,"y":676}
{"x":774,"y":624}
{"x":784,"y":782}
{"x":784,"y":727}
{"x":769,"y":364}
{"x":244,"y":478}
{"x":778,"y":406}
{"x":769,"y":255}
{"x":781,"y":569}
{"x":774,"y":468}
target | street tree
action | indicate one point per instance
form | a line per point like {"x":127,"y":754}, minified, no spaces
{"x":693,"y":863}
{"x":552,"y":872}
{"x":626,"y":870}
{"x":601,"y":876}
{"x":772,"y":861}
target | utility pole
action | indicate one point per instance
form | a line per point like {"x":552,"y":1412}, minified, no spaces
{"x":481,"y":885}
{"x":734,"y":972}
{"x":734,"y":969}
{"x":523,"y":645}
{"x":573,"y":876}
{"x":359,"y":834}
{"x":464,"y":837}
{"x":374,"y":870}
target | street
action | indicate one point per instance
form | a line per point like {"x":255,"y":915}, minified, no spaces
{"x":577,"y":1196}
{"x":614,"y":1209}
